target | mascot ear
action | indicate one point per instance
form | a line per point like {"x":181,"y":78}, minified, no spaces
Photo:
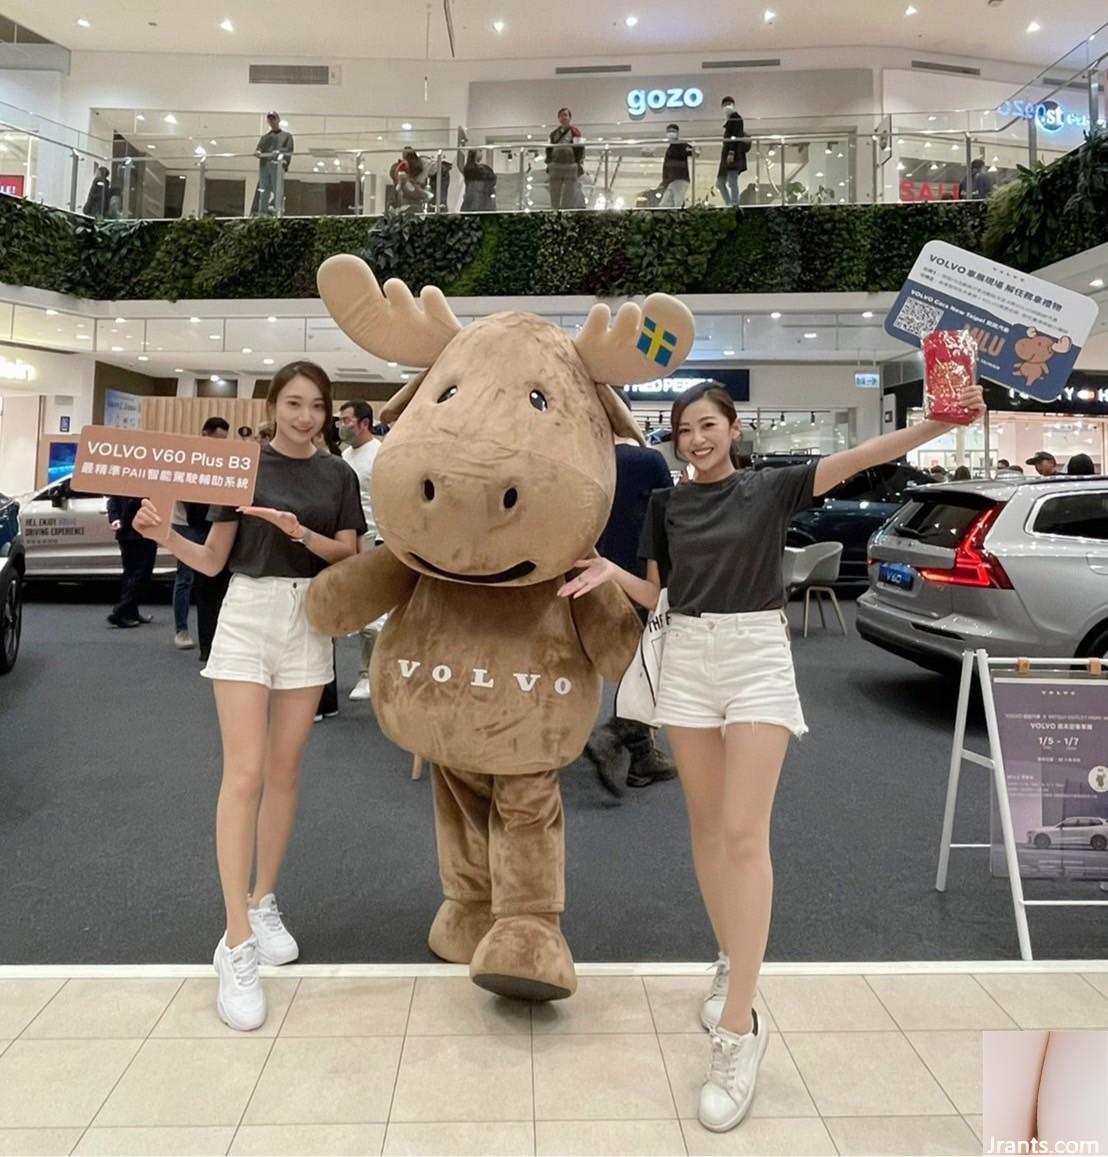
{"x":619,"y":414}
{"x":392,"y":325}
{"x":397,"y":404}
{"x":642,"y":344}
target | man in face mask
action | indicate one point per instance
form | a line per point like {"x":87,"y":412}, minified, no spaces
{"x":359,"y":449}
{"x":732,"y":159}
{"x":675,"y":170}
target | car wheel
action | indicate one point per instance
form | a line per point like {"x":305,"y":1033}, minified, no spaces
{"x":1096,"y":647}
{"x":1042,"y":840}
{"x":1098,"y":843}
{"x":11,"y":624}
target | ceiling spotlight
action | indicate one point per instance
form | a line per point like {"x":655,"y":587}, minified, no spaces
{"x":811,"y":335}
{"x":178,"y":370}
{"x":407,"y":126}
{"x":993,"y":169}
{"x":227,"y":26}
{"x":85,"y":23}
{"x":247,"y":350}
{"x":117,"y":349}
{"x":200,"y":151}
{"x":213,"y":337}
{"x":728,"y":353}
{"x":217,"y":379}
{"x":267,"y":361}
{"x":934,"y":165}
{"x":498,"y":26}
{"x":1097,"y":283}
{"x":775,"y":315}
{"x":819,"y":174}
{"x":393,"y":365}
{"x":213,"y":142}
{"x":51,"y":313}
{"x":769,"y":16}
{"x":1034,"y":26}
{"x":195,"y":320}
{"x":271,"y":319}
{"x":169,"y":119}
{"x":867,"y":313}
{"x":143,"y":358}
{"x":631,"y":21}
{"x":911,"y":10}
{"x":900,"y":166}
{"x":152,"y":146}
{"x":120,"y":321}
{"x":139,"y":117}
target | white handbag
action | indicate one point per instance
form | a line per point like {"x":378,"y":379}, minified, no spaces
{"x":637,"y":693}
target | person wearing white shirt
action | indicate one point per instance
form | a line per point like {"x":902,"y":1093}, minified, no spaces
{"x":360,"y":447}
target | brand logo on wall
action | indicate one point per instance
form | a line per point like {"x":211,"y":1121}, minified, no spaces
{"x":16,"y":371}
{"x":640,"y":101}
{"x":1049,"y":115}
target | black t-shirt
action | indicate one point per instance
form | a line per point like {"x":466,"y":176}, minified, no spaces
{"x":719,"y":545}
{"x":322,"y":491}
{"x":639,"y":471}
{"x":675,"y":164}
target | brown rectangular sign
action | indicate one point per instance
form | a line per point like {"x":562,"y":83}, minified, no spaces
{"x":148,"y":464}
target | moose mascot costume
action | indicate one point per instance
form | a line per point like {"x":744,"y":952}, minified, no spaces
{"x":496,"y":478}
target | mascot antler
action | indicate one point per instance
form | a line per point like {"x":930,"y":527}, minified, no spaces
{"x":392,"y":324}
{"x":642,"y":343}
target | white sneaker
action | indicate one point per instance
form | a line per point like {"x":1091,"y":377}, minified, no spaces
{"x":182,"y":640}
{"x":275,"y":942}
{"x":726,"y":1096}
{"x":241,"y":1000}
{"x":712,"y":1008}
{"x":361,"y":688}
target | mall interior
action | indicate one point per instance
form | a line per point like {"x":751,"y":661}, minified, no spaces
{"x":172,"y":178}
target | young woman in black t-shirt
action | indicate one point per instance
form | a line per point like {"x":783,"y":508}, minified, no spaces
{"x":268,"y":665}
{"x":727,"y":692}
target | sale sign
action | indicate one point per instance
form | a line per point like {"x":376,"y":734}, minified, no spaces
{"x":165,"y":468}
{"x":12,"y":185}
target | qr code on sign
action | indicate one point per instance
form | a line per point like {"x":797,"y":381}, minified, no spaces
{"x":918,"y":318}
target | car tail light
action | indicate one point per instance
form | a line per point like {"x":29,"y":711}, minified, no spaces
{"x":973,"y":565}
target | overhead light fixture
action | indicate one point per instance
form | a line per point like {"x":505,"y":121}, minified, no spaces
{"x":217,"y":379}
{"x":85,"y":23}
{"x":51,"y":313}
{"x":867,"y":313}
{"x":631,"y":21}
{"x":498,"y":26}
{"x":393,"y":365}
{"x":200,"y":151}
{"x":139,"y":117}
{"x":117,"y":349}
{"x":775,"y":315}
{"x":267,"y":361}
{"x":213,"y":142}
{"x":1034,"y":26}
{"x":120,"y":321}
{"x":227,"y":26}
{"x":247,"y":350}
{"x":213,"y":336}
{"x":1097,"y":283}
{"x":819,"y":174}
{"x":407,"y":126}
{"x":769,"y":16}
{"x":934,"y":165}
{"x":169,"y":119}
{"x":728,"y":353}
{"x":271,"y":319}
{"x":143,"y":358}
{"x":195,"y":320}
{"x":810,"y":335}
{"x":152,"y":146}
{"x":911,"y":10}
{"x":993,"y":169}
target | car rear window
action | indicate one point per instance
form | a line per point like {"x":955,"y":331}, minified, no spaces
{"x":1075,"y":516}
{"x":939,"y":519}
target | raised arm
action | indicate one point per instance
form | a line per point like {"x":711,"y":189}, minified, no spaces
{"x":350,"y":594}
{"x":836,"y":468}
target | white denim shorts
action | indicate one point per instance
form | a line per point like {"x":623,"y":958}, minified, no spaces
{"x":263,"y":636}
{"x":724,"y":669}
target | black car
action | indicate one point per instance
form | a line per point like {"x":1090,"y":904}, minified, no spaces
{"x":851,"y":513}
{"x":13,"y":566}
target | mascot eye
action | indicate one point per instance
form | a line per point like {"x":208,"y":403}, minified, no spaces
{"x":447,"y":394}
{"x":538,"y":400}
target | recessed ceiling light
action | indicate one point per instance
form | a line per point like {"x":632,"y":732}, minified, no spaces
{"x":811,"y":334}
{"x":152,"y":146}
{"x":169,"y":119}
{"x":769,"y":16}
{"x":728,"y":353}
{"x":867,"y":313}
{"x":993,"y":169}
{"x":214,"y":336}
{"x":247,"y":350}
{"x":213,"y":142}
{"x":1097,"y":283}
{"x":120,"y":321}
{"x":498,"y":26}
{"x":271,"y":318}
{"x":195,"y":320}
{"x":143,"y":358}
{"x":117,"y":349}
{"x":900,"y":166}
{"x":911,"y":10}
{"x":85,"y":23}
{"x":267,"y":361}
{"x":51,"y":313}
{"x":631,"y":21}
{"x":139,"y":117}
{"x":200,"y":151}
{"x":227,"y":26}
{"x":407,"y":126}
{"x":934,"y":165}
{"x":216,"y":378}
{"x":178,"y":370}
{"x":819,"y":174}
{"x":393,"y":364}
{"x":775,"y":315}
{"x":1034,"y":26}
{"x":379,"y":137}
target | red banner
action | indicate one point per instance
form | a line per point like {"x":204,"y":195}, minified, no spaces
{"x":12,"y":185}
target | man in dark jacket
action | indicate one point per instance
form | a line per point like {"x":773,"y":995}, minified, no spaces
{"x":639,"y":472}
{"x":275,"y":148}
{"x":99,"y":196}
{"x":675,"y":170}
{"x":732,"y":158}
{"x":138,"y":562}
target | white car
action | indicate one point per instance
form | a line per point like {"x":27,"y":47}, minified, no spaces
{"x":1074,"y":832}
{"x":67,"y":536}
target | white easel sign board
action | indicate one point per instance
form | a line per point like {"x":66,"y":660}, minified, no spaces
{"x":1054,"y":738}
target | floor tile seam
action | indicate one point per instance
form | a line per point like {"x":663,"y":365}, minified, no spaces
{"x":53,"y":996}
{"x":161,"y":1017}
{"x":800,"y":1074}
{"x":111,"y":1091}
{"x":665,"y":1066}
{"x":261,"y":1071}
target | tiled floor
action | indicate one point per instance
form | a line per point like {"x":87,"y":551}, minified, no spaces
{"x":430,"y":1064}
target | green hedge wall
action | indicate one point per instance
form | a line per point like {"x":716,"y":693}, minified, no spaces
{"x":1047,"y":214}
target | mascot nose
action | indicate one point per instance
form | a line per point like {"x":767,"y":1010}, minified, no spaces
{"x":478,"y":498}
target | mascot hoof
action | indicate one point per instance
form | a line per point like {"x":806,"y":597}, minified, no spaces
{"x":457,"y":930}
{"x":526,"y":958}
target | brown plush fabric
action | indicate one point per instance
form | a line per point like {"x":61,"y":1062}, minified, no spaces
{"x":496,"y":478}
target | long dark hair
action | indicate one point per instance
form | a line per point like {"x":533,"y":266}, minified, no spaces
{"x":719,"y":397}
{"x":302,"y":369}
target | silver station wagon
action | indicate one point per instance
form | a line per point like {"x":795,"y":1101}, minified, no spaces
{"x":1018,"y":566}
{"x":68,"y":536}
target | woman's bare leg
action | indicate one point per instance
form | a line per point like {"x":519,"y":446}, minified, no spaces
{"x":698,"y":753}
{"x":1012,"y":1063}
{"x":290,"y":723}
{"x":243,"y":711}
{"x":1073,"y":1091}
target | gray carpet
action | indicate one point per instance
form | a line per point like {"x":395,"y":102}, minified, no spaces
{"x":109,"y":764}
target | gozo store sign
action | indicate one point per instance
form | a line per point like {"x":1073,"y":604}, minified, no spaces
{"x":17,"y":371}
{"x":640,"y":101}
{"x":1049,"y":115}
